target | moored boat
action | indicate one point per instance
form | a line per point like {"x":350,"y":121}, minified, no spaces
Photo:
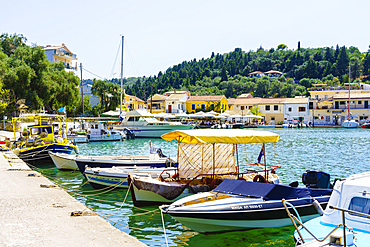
{"x":240,"y":205}
{"x":143,"y":124}
{"x":349,"y":206}
{"x":205,"y":158}
{"x":117,"y":176}
{"x":37,"y":140}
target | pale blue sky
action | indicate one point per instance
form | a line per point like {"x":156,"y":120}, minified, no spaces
{"x":162,"y":33}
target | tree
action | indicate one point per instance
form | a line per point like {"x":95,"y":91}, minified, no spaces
{"x":342,"y":61}
{"x":366,"y":65}
{"x":282,"y":47}
{"x":224,"y":76}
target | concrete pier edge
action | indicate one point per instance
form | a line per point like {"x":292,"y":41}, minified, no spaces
{"x":34,"y":215}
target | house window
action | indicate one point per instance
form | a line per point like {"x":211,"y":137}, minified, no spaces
{"x":267,"y":107}
{"x":242,"y":107}
{"x":212,"y":106}
{"x":325,"y":97}
{"x":359,"y":102}
{"x":193,"y":106}
{"x":342,"y":102}
{"x":276,"y":107}
{"x":272,"y":118}
{"x":310,"y":105}
{"x":202,"y":106}
{"x":290,"y":109}
{"x":301,"y":109}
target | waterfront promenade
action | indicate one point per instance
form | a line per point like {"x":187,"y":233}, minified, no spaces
{"x":33,"y":213}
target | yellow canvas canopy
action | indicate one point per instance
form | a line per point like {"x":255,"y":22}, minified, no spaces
{"x":231,"y":136}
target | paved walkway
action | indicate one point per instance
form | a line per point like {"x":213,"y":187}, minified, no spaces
{"x":32,"y":215}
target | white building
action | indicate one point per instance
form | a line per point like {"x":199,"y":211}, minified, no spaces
{"x":176,"y":103}
{"x":296,"y":109}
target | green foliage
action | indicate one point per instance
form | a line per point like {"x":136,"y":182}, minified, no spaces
{"x":109,"y":94}
{"x":27,"y":74}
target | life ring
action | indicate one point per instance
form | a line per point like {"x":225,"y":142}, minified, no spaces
{"x":259,"y":178}
{"x":43,"y":135}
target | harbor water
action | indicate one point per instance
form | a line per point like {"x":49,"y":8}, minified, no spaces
{"x":340,"y":152}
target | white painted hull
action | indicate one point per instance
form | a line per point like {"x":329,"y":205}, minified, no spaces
{"x":153,"y":131}
{"x":350,"y":124}
{"x":211,"y":225}
{"x":100,"y":138}
{"x":79,"y":138}
{"x":64,"y":161}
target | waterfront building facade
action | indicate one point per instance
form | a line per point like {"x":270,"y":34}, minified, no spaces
{"x":61,"y":54}
{"x":156,"y":104}
{"x":296,"y":109}
{"x":217,"y":103}
{"x":176,"y":103}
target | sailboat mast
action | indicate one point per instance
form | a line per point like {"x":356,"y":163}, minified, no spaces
{"x":120,"y":105}
{"x":349,"y":87}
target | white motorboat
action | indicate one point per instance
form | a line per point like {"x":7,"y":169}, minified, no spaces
{"x":348,"y":205}
{"x":205,"y":158}
{"x":240,"y":205}
{"x":117,"y":176}
{"x":97,"y":133}
{"x":64,"y":161}
{"x":78,"y":138}
{"x":142,"y":124}
{"x":350,"y":123}
{"x":73,"y":162}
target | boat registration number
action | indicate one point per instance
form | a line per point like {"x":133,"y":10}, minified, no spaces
{"x":247,"y":207}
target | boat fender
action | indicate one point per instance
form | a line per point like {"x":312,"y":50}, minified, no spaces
{"x":318,"y":207}
{"x":259,"y":178}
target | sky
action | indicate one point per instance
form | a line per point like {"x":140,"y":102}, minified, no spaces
{"x":161,"y":33}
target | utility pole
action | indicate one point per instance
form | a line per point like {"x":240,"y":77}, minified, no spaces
{"x":82,"y":93}
{"x":151,"y":98}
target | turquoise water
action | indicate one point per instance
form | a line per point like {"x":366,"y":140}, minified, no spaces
{"x":340,"y":152}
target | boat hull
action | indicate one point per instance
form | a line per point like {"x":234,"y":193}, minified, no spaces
{"x":41,"y":153}
{"x":261,"y":215}
{"x":79,"y":138}
{"x":108,"y":163}
{"x":64,"y":161}
{"x":117,"y":177}
{"x":103,"y":138}
{"x":350,"y":124}
{"x":153,"y":131}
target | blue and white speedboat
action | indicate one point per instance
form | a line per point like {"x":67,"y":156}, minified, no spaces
{"x":241,"y":205}
{"x":348,"y":204}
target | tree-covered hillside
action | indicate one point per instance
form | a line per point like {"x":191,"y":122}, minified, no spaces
{"x":228,"y":73}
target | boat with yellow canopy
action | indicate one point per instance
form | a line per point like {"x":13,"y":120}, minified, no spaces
{"x":205,"y":158}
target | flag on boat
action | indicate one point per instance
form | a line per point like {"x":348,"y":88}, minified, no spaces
{"x":262,"y":152}
{"x":62,"y":110}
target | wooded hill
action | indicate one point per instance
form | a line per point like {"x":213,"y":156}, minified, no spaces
{"x":227,"y":73}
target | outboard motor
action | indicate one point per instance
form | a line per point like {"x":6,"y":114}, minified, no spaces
{"x":129,"y":134}
{"x":316,"y":179}
{"x":160,"y":153}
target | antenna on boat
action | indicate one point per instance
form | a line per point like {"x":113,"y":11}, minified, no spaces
{"x":120,"y":105}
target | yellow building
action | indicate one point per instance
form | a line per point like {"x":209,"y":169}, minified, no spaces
{"x":207,"y":103}
{"x":61,"y":54}
{"x":133,"y":103}
{"x":158,"y":102}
